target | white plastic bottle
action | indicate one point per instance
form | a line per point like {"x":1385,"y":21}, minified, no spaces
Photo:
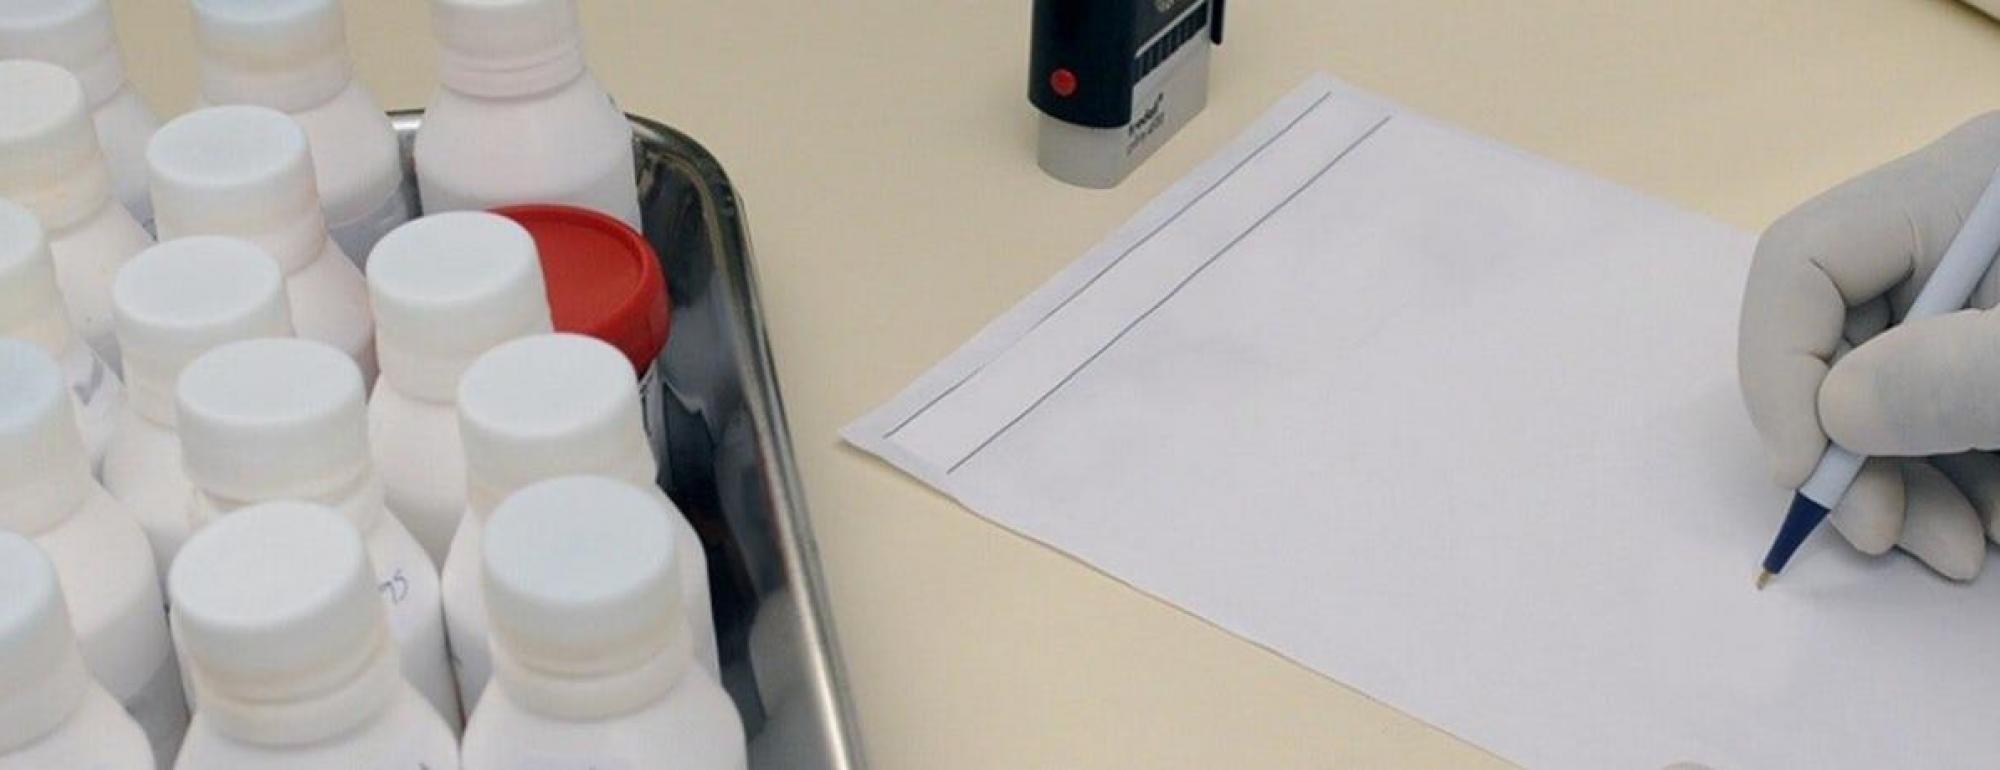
{"x":275,"y":610}
{"x":245,"y":171}
{"x":538,"y":408}
{"x":52,"y":714}
{"x":593,"y":658}
{"x":173,"y":303}
{"x":283,"y":419}
{"x":31,"y":308}
{"x":517,"y":117}
{"x":50,"y":164}
{"x":100,"y":556}
{"x":291,"y":56}
{"x":77,"y":35}
{"x":445,"y":288}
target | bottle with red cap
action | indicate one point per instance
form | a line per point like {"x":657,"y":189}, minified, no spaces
{"x":604,"y":281}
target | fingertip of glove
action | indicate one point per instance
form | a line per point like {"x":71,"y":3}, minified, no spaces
{"x":1870,"y":517}
{"x":1849,"y":410}
{"x":1792,"y":458}
{"x":1941,"y":528}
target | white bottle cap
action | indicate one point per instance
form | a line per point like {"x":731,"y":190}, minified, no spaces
{"x":49,"y":158}
{"x":505,"y":47}
{"x":289,"y":55}
{"x":546,"y":406}
{"x":447,"y":288}
{"x":76,"y":35}
{"x":275,"y":602}
{"x":175,"y":301}
{"x":44,"y":471}
{"x":42,"y":678}
{"x":580,"y":577}
{"x":272,"y":419}
{"x":238,"y":170}
{"x":31,"y":305}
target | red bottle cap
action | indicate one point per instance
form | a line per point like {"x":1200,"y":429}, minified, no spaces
{"x":603,"y":278}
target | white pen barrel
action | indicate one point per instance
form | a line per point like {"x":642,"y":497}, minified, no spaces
{"x":1965,"y":261}
{"x":1830,"y":479}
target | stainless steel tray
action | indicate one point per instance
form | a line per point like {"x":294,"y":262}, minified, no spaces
{"x":727,"y":462}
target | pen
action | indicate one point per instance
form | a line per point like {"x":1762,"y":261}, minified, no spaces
{"x":1958,"y":273}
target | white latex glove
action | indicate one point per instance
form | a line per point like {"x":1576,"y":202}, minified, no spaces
{"x":1829,"y":277}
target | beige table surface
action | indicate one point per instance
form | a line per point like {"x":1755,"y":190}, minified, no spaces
{"x":886,"y":151}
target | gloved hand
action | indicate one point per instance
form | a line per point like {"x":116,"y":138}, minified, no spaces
{"x":1922,"y":397}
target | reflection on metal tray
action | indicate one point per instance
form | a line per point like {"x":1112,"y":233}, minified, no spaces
{"x":727,"y":462}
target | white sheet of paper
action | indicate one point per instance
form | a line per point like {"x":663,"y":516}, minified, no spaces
{"x":1458,"y":427}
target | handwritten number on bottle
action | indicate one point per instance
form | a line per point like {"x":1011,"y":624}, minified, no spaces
{"x":396,"y":588}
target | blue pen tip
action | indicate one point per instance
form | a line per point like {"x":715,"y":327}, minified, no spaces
{"x":1800,"y":521}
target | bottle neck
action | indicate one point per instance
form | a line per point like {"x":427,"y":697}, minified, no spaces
{"x":103,"y":76}
{"x":63,"y":203}
{"x":335,"y":702}
{"x":149,"y":387}
{"x":575,"y":698}
{"x":290,"y":89}
{"x":47,"y":498}
{"x":47,"y":329}
{"x":359,"y":501}
{"x":424,"y":376}
{"x":490,"y":77}
{"x":482,"y":495}
{"x":28,"y":713}
{"x":294,"y":242}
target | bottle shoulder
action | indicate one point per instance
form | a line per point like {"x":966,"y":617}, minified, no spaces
{"x":408,"y":735}
{"x":103,"y":562}
{"x":125,"y":117}
{"x":396,"y":553}
{"x":99,"y":735}
{"x":695,"y":722}
{"x":111,"y":233}
{"x":416,"y":447}
{"x":138,"y":444}
{"x":462,"y":570}
{"x":355,"y":155}
{"x":578,"y":117}
{"x":143,"y":470}
{"x":393,"y":412}
{"x":329,"y":271}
